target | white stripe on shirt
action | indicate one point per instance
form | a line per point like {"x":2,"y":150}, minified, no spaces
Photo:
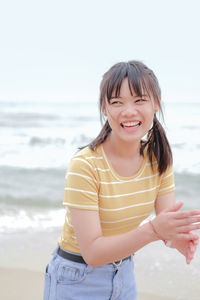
{"x":81,"y":191}
{"x":80,"y":175}
{"x":170,"y":174}
{"x":129,"y":194}
{"x":167,"y":188}
{"x":85,"y":161}
{"x":80,"y":205}
{"x":111,"y":182}
{"x":94,"y":157}
{"x":126,"y":207}
{"x":126,"y":219}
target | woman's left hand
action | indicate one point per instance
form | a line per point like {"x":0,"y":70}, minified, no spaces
{"x":187,"y":248}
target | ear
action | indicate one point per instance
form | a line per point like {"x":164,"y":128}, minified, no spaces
{"x":105,"y":113}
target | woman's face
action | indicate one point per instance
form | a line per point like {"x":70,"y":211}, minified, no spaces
{"x":130,"y":116}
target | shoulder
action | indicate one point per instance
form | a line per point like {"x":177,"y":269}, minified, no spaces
{"x":87,"y":154}
{"x":85,"y":159}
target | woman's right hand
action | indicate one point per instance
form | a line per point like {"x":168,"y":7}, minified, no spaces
{"x":186,"y":247}
{"x":173,"y":224}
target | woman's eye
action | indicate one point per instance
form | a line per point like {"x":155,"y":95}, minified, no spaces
{"x":115,"y":102}
{"x":140,"y":100}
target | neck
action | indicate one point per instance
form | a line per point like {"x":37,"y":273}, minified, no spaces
{"x":127,"y":150}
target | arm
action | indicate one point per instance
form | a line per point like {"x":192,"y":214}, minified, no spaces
{"x":81,"y":191}
{"x":164,"y":201}
{"x":185,"y":247}
{"x":99,"y":250}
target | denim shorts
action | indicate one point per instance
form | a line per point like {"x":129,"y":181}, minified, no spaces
{"x":68,"y":280}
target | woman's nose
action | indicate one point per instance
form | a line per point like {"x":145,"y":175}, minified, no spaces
{"x":129,"y":110}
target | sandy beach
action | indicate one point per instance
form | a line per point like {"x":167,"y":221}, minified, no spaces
{"x":29,"y":285}
{"x":161,"y":273}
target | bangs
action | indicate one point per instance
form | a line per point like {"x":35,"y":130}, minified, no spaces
{"x":140,"y":79}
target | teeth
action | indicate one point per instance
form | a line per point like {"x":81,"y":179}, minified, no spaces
{"x":130,"y":124}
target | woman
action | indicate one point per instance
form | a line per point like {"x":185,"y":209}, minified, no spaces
{"x":112,"y":185}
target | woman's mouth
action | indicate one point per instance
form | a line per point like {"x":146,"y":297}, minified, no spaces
{"x":132,"y":124}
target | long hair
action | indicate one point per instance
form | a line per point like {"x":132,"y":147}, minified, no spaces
{"x":141,"y":79}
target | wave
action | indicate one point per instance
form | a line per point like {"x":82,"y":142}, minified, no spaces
{"x":23,"y":120}
{"x":26,"y":120}
{"x":80,"y":140}
{"x":31,"y":187}
{"x":38,"y":141}
{"x":191,"y":127}
{"x":32,"y":199}
{"x":22,"y":220}
{"x":184,"y":146}
{"x":45,"y":187}
{"x":187,"y":189}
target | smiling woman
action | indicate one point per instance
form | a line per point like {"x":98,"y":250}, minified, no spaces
{"x":122,"y":86}
{"x":112,"y":185}
{"x":130,"y":113}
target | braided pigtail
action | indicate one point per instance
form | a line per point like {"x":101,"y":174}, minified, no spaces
{"x":158,"y":146}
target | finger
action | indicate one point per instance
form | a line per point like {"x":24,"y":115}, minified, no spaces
{"x":188,"y":220}
{"x":196,"y":242}
{"x":189,"y":256}
{"x":192,"y":248}
{"x":185,"y":236}
{"x":195,"y":239}
{"x":187,"y":228}
{"x":195,"y":236}
{"x":186,"y":213}
{"x":188,"y":260}
{"x":175,"y":207}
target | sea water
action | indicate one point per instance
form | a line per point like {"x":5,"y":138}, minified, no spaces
{"x":39,"y":138}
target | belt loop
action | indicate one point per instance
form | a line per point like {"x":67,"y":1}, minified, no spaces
{"x":116,"y":264}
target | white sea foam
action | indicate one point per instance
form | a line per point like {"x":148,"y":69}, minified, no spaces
{"x":24,"y":220}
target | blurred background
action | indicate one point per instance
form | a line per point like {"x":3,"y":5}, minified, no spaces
{"x":52,"y":58}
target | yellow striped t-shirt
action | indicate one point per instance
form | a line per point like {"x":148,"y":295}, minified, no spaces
{"x":122,"y":202}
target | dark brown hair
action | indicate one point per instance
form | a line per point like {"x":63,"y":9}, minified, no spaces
{"x":141,"y":79}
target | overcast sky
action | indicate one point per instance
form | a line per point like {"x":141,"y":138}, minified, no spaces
{"x":58,"y":50}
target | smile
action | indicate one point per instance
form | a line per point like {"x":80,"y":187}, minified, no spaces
{"x":130,"y":124}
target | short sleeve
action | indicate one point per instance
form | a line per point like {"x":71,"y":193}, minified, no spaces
{"x":167,"y":182}
{"x":81,"y":185}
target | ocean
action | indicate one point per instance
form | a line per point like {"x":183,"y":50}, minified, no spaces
{"x":39,"y":138}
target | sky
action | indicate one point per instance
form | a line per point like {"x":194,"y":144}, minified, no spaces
{"x":59,"y":50}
